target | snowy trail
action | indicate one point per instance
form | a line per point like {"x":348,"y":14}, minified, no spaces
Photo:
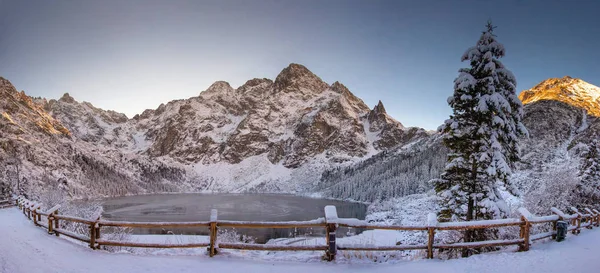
{"x":25,"y":248}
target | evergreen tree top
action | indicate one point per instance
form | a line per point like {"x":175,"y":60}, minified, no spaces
{"x":486,"y":43}
{"x":490,"y":28}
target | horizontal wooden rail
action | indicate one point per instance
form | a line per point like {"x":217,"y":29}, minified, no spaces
{"x":381,"y":248}
{"x":544,"y":219}
{"x":243,"y":224}
{"x":480,"y":244}
{"x":543,"y":235}
{"x":270,"y":247}
{"x":43,"y":213}
{"x":152,"y":224}
{"x":72,"y":235}
{"x":384,"y":227}
{"x":478,"y":224}
{"x":51,"y":211}
{"x":150,"y":245}
{"x":73,"y":219}
{"x":570,"y":228}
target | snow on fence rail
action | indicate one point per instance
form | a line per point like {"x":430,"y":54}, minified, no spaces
{"x":330,"y":223}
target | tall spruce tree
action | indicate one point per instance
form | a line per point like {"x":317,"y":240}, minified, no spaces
{"x":482,"y":135}
{"x":588,"y":190}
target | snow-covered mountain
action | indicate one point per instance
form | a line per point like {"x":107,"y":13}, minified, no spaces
{"x":572,"y":91}
{"x":294,"y":134}
{"x":262,"y":136}
{"x":290,"y":121}
{"x":560,"y":117}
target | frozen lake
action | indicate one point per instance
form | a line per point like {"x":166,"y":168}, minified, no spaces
{"x":241,"y":207}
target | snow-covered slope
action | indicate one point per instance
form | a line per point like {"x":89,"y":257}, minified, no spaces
{"x":262,"y":136}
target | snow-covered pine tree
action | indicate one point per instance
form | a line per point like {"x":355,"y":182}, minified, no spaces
{"x":482,"y":136}
{"x":588,"y":190}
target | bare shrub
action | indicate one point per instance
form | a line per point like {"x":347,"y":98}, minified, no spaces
{"x":557,"y":191}
{"x":119,"y":234}
{"x":232,"y":236}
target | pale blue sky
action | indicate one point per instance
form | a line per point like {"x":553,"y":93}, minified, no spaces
{"x":132,"y":55}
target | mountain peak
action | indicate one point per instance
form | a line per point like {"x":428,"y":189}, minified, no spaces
{"x":219,"y":87}
{"x":6,"y":85}
{"x":339,"y":88}
{"x":297,"y":77}
{"x":255,"y":84}
{"x":379,"y":108}
{"x":572,"y":91}
{"x":67,"y":98}
{"x":378,"y":117}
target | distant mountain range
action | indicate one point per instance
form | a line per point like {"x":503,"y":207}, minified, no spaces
{"x":296,"y":134}
{"x":265,"y":135}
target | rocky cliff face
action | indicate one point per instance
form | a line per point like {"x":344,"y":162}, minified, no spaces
{"x":258,"y":136}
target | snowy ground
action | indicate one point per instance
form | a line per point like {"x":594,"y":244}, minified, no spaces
{"x":25,"y":248}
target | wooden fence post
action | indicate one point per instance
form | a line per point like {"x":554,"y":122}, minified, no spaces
{"x":431,"y":225}
{"x":94,"y":230}
{"x":50,"y":214}
{"x":93,"y":235}
{"x":525,"y":228}
{"x":56,"y":223}
{"x":97,"y":227}
{"x":331,"y":221}
{"x":50,"y":221}
{"x":213,"y":233}
{"x":35,"y":217}
{"x":591,"y":218}
{"x":597,"y":217}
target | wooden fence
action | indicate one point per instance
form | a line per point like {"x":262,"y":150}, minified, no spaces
{"x":5,"y":203}
{"x":52,"y":222}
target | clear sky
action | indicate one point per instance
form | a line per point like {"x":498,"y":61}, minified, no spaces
{"x":132,"y":55}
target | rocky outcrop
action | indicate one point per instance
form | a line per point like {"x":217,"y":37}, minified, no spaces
{"x":22,"y":116}
{"x":85,"y":121}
